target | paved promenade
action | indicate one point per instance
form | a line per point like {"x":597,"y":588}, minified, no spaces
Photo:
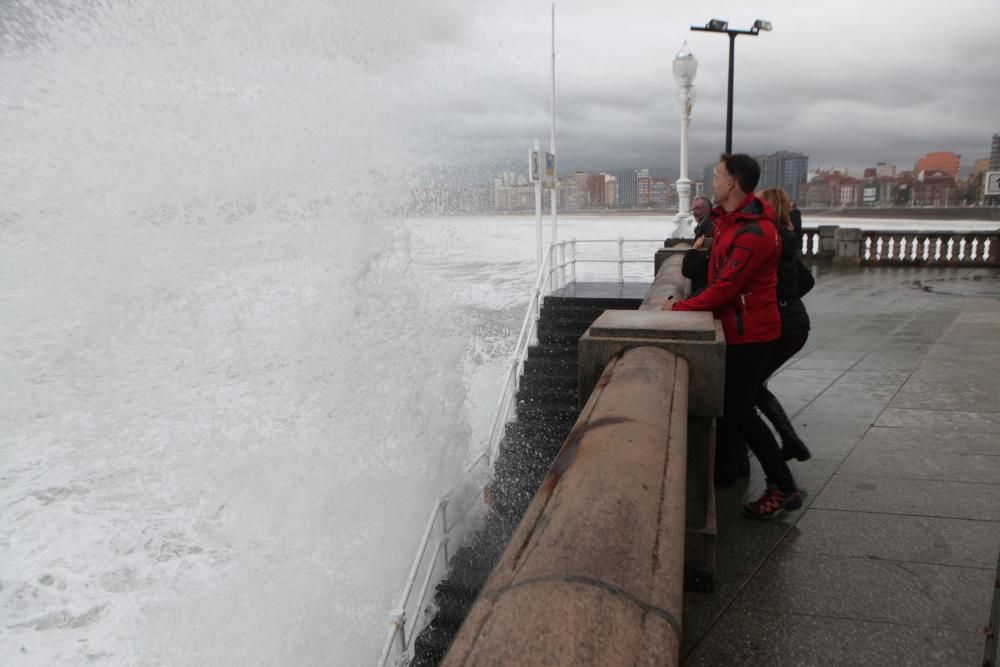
{"x":893,"y":559}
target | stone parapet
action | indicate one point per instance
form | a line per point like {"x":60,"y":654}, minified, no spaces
{"x":696,"y":336}
{"x":592,"y":573}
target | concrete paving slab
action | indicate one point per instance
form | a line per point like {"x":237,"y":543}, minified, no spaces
{"x":946,"y":441}
{"x":859,"y":393}
{"x":958,"y":500}
{"x":780,"y":639}
{"x":867,"y":460}
{"x":915,"y":594}
{"x":947,"y":384}
{"x":946,"y":420}
{"x":830,"y":437}
{"x":889,"y":360}
{"x":824,"y":359}
{"x":801,"y":385}
{"x":919,"y":539}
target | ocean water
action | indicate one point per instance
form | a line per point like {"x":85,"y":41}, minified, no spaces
{"x":231,"y":382}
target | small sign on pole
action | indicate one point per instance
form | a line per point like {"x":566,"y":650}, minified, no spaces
{"x":542,"y":167}
{"x":993,"y":182}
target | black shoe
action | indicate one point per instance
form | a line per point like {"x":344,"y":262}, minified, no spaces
{"x":795,"y":449}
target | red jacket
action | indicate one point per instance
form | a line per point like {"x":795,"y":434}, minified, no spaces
{"x":743,"y":274}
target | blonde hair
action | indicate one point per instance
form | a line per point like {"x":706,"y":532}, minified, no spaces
{"x":782,"y":205}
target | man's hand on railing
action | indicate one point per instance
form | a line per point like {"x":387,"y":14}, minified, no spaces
{"x":668,"y":304}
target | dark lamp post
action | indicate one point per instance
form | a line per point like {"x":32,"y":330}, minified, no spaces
{"x":718,"y":25}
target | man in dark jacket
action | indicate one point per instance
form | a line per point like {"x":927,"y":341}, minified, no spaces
{"x":701,"y":209}
{"x":742,"y":277}
{"x":695,"y":263}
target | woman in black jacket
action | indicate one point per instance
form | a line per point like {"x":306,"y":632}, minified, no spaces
{"x":794,"y":281}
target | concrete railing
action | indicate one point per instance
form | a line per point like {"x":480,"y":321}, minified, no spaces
{"x":594,"y":574}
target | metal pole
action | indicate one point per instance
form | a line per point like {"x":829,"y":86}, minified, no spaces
{"x":684,"y":229}
{"x":729,"y":101}
{"x":538,"y":202}
{"x":552,"y":132}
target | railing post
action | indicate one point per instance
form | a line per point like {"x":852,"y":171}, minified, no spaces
{"x":444,"y":529}
{"x":827,"y":242}
{"x":621,"y":260}
{"x":572,"y":266}
{"x":849,"y":246}
{"x":399,"y":620}
{"x":562,"y":263}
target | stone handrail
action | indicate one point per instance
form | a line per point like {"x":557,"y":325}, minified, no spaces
{"x":594,"y":574}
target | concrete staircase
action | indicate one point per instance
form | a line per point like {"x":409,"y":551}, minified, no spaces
{"x":547,"y":407}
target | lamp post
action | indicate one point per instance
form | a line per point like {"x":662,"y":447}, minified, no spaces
{"x":718,"y":25}
{"x":685,"y":69}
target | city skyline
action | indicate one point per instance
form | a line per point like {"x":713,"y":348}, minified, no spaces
{"x":935,"y":179}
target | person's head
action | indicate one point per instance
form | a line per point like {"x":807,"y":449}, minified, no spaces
{"x":700,"y":208}
{"x":782,"y":205}
{"x":736,"y":176}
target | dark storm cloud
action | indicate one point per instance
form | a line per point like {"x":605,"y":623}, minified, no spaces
{"x":849,"y":84}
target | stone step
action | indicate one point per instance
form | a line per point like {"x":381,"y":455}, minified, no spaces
{"x":565,"y":381}
{"x":539,"y":434}
{"x":559,"y":338}
{"x":567,"y":352}
{"x":543,"y":410}
{"x":542,"y":392}
{"x":564,"y":364}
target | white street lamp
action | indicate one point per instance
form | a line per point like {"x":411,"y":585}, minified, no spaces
{"x":685,"y":69}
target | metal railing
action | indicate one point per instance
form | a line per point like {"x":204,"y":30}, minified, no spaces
{"x":405,"y":620}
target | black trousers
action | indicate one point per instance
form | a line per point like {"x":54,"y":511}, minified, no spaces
{"x":784,"y":349}
{"x":745,"y":367}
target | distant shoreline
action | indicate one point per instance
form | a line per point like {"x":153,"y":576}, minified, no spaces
{"x":981,"y":214}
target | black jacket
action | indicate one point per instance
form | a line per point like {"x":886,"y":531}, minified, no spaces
{"x":695,"y":263}
{"x":794,"y":281}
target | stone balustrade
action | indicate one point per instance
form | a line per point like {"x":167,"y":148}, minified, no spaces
{"x":902,"y":248}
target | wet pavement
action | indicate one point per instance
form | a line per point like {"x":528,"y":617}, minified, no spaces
{"x":894,"y":557}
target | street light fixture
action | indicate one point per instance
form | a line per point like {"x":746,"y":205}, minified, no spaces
{"x":718,"y":25}
{"x":685,"y":70}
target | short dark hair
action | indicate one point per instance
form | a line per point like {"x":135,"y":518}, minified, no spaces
{"x":743,"y":168}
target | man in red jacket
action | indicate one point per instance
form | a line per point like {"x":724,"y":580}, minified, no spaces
{"x":742,"y":277}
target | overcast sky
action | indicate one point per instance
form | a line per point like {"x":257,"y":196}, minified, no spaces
{"x":849,"y":83}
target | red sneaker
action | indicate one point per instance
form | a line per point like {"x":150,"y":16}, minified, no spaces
{"x":773,"y":503}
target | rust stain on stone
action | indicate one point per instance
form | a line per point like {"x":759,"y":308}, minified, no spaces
{"x":569,"y":449}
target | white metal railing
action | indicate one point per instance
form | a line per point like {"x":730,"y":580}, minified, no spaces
{"x":405,"y":620}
